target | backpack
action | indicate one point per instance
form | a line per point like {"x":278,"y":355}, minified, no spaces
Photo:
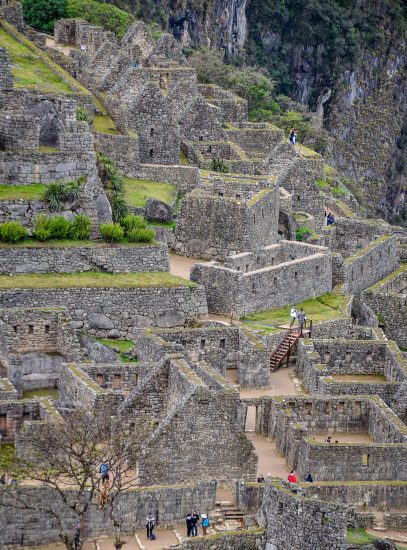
{"x":153,"y":537}
{"x":205,"y":522}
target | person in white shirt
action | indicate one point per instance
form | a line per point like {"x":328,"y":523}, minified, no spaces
{"x":293,"y":316}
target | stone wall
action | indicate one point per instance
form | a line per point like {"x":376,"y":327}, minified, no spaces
{"x":268,"y":287}
{"x":101,"y":257}
{"x":241,"y":540}
{"x":370,"y":265}
{"x":373,"y":493}
{"x":123,"y":150}
{"x":114,"y":312}
{"x":168,"y":504}
{"x":363,"y":232}
{"x":293,"y":522}
{"x":23,"y":211}
{"x":388,"y":300}
{"x":185,"y":178}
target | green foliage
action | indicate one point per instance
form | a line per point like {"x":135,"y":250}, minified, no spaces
{"x":55,"y":227}
{"x":218,"y":165}
{"x":104,"y":15}
{"x":80,"y":228}
{"x":82,"y":115}
{"x":12,"y":232}
{"x":140,"y":235}
{"x":131,"y":222}
{"x":114,"y":185}
{"x":358,"y":536}
{"x":57,"y":193}
{"x":340,"y":191}
{"x":42,"y":14}
{"x":112,"y":232}
{"x":302,"y":233}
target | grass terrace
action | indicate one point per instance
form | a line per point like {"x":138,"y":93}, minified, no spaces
{"x":137,"y":191}
{"x":321,"y":308}
{"x":94,"y":280}
{"x":29,"y":71}
{"x":41,"y":393}
{"x":358,"y":537}
{"x":120,"y":346}
{"x":31,"y":192}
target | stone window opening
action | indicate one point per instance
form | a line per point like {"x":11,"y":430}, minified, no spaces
{"x":262,"y":213}
{"x":151,"y":131}
{"x":369,"y":357}
{"x":272,"y":261}
{"x":30,"y":329}
{"x":15,"y":328}
{"x":247,"y":268}
{"x":324,"y":519}
{"x":46,"y":329}
{"x":365,"y":459}
{"x":238,"y":196}
{"x":3,"y":424}
{"x":220,"y":194}
{"x":203,"y":344}
{"x":184,"y":343}
{"x":222,"y":343}
{"x":254,"y":218}
{"x":210,"y":149}
{"x":342,"y":407}
{"x":117,"y":381}
{"x":295,"y":274}
{"x":200,"y":138}
{"x":348,"y":356}
{"x":358,"y":407}
{"x":275,"y":281}
{"x":100,"y":379}
{"x":327,"y":356}
{"x":151,"y":153}
{"x":280,"y":508}
{"x":317,"y":270}
{"x":254,"y":288}
{"x":308,"y":408}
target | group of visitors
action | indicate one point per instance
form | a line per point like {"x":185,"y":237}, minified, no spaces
{"x":300,"y":316}
{"x":192,"y":522}
{"x":292,"y":477}
{"x":328,"y":439}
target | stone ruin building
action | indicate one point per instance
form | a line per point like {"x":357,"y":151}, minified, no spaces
{"x":214,"y":389}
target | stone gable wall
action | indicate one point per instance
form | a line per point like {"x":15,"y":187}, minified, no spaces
{"x":109,"y":258}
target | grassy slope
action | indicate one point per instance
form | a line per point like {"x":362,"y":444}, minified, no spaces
{"x":136,"y":191}
{"x":321,"y":308}
{"x":94,"y":280}
{"x":358,"y":536}
{"x":31,"y":394}
{"x":29,"y":70}
{"x":27,"y":192}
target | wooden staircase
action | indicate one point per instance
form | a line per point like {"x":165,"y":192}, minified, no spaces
{"x":284,"y":349}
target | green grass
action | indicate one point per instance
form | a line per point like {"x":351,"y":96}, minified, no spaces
{"x":171,"y":225}
{"x":94,"y":280}
{"x":322,"y":184}
{"x":183,"y":159}
{"x":48,"y":149}
{"x":321,"y":308}
{"x":27,"y":192}
{"x":63,"y":243}
{"x":358,"y":536}
{"x":29,"y":71}
{"x":137,"y":191}
{"x":306,"y":151}
{"x":105,"y":125}
{"x":32,"y":394}
{"x":119,"y":346}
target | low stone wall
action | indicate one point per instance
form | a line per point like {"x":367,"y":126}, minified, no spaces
{"x":23,"y":211}
{"x":241,"y":540}
{"x":186,"y":178}
{"x":395,"y":520}
{"x":113,"y":312}
{"x":370,"y":493}
{"x":71,"y":259}
{"x":122,"y":149}
{"x":34,"y":527}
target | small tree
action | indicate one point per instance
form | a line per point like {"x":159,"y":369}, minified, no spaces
{"x":66,"y":460}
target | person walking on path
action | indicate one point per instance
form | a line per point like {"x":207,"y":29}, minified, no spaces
{"x":104,"y":470}
{"x":293,"y":316}
{"x":293,"y":136}
{"x":292,"y":477}
{"x":150,"y":523}
{"x":188,"y":521}
{"x":308,"y":478}
{"x":194,"y":521}
{"x":205,"y":524}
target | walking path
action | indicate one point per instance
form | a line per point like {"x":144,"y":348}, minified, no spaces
{"x":181,"y":265}
{"x":50,"y":43}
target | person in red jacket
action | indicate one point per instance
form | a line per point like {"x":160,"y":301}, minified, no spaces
{"x":292,"y":477}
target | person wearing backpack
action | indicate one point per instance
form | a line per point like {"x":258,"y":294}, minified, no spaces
{"x":205,"y":523}
{"x":150,"y":523}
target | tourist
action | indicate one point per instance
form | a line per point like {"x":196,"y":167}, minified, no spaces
{"x":77,"y":536}
{"x":189,"y":524}
{"x":308,"y":478}
{"x":261,"y":479}
{"x":104,"y":470}
{"x":330,"y":219}
{"x":336,"y":441}
{"x":292,"y":477}
{"x":328,"y":439}
{"x":293,"y":136}
{"x":150,"y":523}
{"x":301,"y":319}
{"x":194,"y":521}
{"x":293,"y":316}
{"x":205,"y":523}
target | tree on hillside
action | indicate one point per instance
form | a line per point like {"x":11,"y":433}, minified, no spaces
{"x":42,"y":14}
{"x":66,"y":460}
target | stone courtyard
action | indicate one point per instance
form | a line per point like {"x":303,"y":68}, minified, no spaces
{"x":162,"y":341}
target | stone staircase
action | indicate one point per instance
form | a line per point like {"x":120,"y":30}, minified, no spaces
{"x":227,"y":512}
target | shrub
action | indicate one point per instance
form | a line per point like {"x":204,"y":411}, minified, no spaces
{"x":218,"y":165}
{"x":56,"y":227}
{"x":303,"y":233}
{"x":12,"y":232}
{"x":141,"y":235}
{"x":107,"y":16}
{"x":41,"y":14}
{"x":131,"y":222}
{"x":79,"y":229}
{"x":57,"y":193}
{"x":82,"y":115}
{"x":111,"y":232}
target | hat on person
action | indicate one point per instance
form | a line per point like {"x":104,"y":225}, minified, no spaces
{"x":204,"y":516}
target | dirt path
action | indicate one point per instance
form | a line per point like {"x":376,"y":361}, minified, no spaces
{"x":281,"y":384}
{"x":270,"y":460}
{"x":344,"y":438}
{"x":50,"y":43}
{"x":181,"y":265}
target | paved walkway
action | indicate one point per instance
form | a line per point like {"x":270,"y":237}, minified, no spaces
{"x":181,"y":265}
{"x":270,"y":460}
